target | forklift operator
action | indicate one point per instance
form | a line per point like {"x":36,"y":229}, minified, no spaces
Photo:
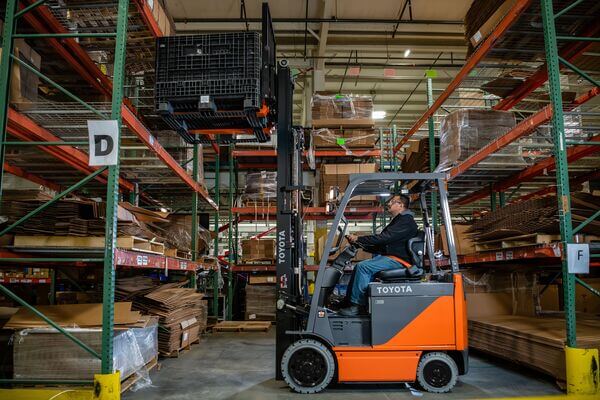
{"x":388,"y":247}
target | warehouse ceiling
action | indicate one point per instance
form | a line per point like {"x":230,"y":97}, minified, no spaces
{"x":360,"y":46}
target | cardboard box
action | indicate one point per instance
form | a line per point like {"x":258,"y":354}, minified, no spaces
{"x":484,"y":31}
{"x":262,"y":279}
{"x":343,"y":138}
{"x":24,"y":83}
{"x":339,"y":175}
{"x":464,"y":243}
{"x":190,"y":330}
{"x":164,"y":21}
{"x":258,"y":250}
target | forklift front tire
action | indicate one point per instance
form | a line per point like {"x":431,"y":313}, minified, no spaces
{"x":308,"y":366}
{"x":437,"y":372}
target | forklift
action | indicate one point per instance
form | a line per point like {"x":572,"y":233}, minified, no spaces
{"x":416,"y":326}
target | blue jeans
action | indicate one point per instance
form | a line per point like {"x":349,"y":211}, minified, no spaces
{"x":363,"y":273}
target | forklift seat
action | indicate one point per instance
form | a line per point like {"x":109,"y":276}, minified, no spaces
{"x":416,"y":248}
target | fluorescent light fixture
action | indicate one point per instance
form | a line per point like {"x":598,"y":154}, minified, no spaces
{"x":406,"y":53}
{"x":385,"y":194}
{"x":378,"y":114}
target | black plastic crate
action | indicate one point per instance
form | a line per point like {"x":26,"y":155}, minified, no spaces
{"x":224,"y":66}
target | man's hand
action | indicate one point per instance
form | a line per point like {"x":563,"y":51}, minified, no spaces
{"x":352,"y":238}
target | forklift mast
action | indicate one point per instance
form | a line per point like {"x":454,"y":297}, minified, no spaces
{"x":290,"y":241}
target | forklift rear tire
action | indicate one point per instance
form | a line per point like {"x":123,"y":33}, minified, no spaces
{"x":437,"y":372}
{"x":308,"y":366}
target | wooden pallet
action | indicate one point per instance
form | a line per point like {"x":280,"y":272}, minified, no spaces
{"x":178,"y":254}
{"x":140,"y":244}
{"x":56,"y":241}
{"x":133,"y":379}
{"x":242,"y":326}
{"x":516,"y":241}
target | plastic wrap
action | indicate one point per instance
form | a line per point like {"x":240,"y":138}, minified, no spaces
{"x":261,"y":186}
{"x":350,"y":140}
{"x":178,"y":234}
{"x":341,"y":106}
{"x":45,"y":353}
{"x":464,"y":132}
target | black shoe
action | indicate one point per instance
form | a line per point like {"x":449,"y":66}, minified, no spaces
{"x":352,"y":311}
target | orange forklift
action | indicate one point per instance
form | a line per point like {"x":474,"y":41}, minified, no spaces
{"x":416,"y":326}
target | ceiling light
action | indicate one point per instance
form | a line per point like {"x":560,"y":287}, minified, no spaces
{"x":162,"y":209}
{"x":406,"y":53}
{"x":378,"y":114}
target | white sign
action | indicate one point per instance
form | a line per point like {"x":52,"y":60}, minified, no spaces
{"x":578,"y":258}
{"x":103,"y":139}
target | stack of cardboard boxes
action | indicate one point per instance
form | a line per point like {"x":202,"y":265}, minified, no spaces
{"x":343,"y":122}
{"x":338,"y":175}
{"x":258,"y":250}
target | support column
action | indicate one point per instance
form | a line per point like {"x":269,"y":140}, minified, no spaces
{"x":5,"y":68}
{"x":562,"y":173}
{"x":502,"y":198}
{"x":215,"y":283}
{"x":231,"y":243}
{"x":194,"y":244}
{"x":432,"y":156}
{"x":492,"y":198}
{"x":112,"y":193}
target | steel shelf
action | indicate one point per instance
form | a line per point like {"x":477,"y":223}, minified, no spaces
{"x":31,"y":281}
{"x":98,"y":18}
{"x":544,"y":253}
{"x":517,"y":44}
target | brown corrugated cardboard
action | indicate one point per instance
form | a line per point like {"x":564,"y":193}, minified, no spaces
{"x":258,"y":250}
{"x":464,"y":243}
{"x":73,"y":315}
{"x":333,"y":175}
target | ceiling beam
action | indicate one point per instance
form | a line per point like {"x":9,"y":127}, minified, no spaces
{"x":332,"y":20}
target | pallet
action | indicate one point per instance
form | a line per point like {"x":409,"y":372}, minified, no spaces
{"x":133,"y":379}
{"x":516,"y":241}
{"x":56,"y":241}
{"x":259,"y":203}
{"x":176,"y":253}
{"x":242,"y":326}
{"x":139,"y":244}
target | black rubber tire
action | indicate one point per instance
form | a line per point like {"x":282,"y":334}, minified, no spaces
{"x":437,"y":372}
{"x":319,"y":352}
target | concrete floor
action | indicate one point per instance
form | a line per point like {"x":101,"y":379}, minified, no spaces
{"x":241,"y":366}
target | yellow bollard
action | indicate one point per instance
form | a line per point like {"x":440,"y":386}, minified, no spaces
{"x":582,"y":371}
{"x":107,"y":386}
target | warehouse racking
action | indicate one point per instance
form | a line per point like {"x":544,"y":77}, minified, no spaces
{"x":53,"y":135}
{"x":477,"y":178}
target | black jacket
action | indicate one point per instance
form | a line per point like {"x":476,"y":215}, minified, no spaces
{"x":393,"y":240}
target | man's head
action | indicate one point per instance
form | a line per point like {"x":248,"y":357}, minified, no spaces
{"x":398,"y":204}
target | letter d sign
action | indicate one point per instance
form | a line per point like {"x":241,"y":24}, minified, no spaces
{"x":103,"y":139}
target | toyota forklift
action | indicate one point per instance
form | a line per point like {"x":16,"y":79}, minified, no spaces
{"x":416,"y":326}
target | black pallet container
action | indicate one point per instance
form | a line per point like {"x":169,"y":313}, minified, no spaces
{"x":217,"y":81}
{"x":215,"y":71}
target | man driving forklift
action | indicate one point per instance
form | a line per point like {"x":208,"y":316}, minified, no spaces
{"x":390,"y":250}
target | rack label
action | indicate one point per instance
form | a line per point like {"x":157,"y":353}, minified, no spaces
{"x":578,"y":258}
{"x":104,"y":142}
